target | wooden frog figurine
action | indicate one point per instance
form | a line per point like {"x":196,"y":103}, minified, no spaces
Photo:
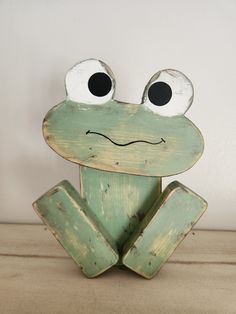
{"x":121,"y":216}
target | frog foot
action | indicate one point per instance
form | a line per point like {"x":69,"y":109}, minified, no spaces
{"x":68,"y":217}
{"x":163,"y":228}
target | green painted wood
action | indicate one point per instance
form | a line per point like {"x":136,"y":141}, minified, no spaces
{"x":66,"y":129}
{"x":124,"y":150}
{"x":164,"y":227}
{"x":75,"y":227}
{"x":119,"y":201}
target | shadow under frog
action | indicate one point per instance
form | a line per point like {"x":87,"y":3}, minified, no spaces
{"x":121,"y":216}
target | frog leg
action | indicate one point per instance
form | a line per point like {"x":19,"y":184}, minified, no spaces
{"x":71,"y":222}
{"x":162,"y":229}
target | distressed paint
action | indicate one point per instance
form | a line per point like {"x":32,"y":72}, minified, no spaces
{"x":119,"y":201}
{"x":65,"y":130}
{"x":75,"y":227}
{"x":164,"y":227}
{"x":123,"y":150}
{"x":76,"y":82}
{"x":182,"y":93}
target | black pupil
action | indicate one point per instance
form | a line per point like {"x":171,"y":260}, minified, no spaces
{"x":159,"y":93}
{"x":99,"y":84}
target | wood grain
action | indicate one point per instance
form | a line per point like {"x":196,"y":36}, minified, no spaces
{"x":66,"y":130}
{"x":200,"y":246}
{"x":76,"y":228}
{"x":119,"y":201}
{"x":162,"y":229}
{"x":35,"y":277}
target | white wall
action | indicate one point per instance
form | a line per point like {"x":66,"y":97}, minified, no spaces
{"x":40,"y":40}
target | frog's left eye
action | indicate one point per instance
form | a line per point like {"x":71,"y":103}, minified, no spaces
{"x":90,"y":82}
{"x":168,"y":93}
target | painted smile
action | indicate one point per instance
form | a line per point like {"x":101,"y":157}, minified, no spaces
{"x":126,"y":144}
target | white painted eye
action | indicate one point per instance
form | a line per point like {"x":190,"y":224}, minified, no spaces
{"x":168,"y":93}
{"x":90,"y":82}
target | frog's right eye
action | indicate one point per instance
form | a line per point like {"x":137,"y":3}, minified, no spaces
{"x":90,"y":82}
{"x":168,"y":93}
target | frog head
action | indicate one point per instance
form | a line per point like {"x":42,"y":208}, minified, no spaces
{"x":93,"y":129}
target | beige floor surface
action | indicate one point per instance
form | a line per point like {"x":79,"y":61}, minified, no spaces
{"x":37,"y":276}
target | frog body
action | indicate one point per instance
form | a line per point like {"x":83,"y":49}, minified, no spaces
{"x":120,"y":201}
{"x":121,"y":215}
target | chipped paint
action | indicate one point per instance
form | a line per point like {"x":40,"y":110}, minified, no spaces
{"x":124,"y":150}
{"x":167,"y":225}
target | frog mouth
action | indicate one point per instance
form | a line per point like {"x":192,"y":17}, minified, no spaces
{"x":125,"y":144}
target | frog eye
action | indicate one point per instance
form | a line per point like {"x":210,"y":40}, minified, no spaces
{"x":168,"y":93}
{"x":90,"y":82}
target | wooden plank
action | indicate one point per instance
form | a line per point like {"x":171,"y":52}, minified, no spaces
{"x":199,"y":278}
{"x":202,"y":246}
{"x":74,"y":226}
{"x":118,"y":200}
{"x":162,"y":229}
{"x":45,"y":285}
{"x":86,"y":134}
{"x":29,"y":240}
